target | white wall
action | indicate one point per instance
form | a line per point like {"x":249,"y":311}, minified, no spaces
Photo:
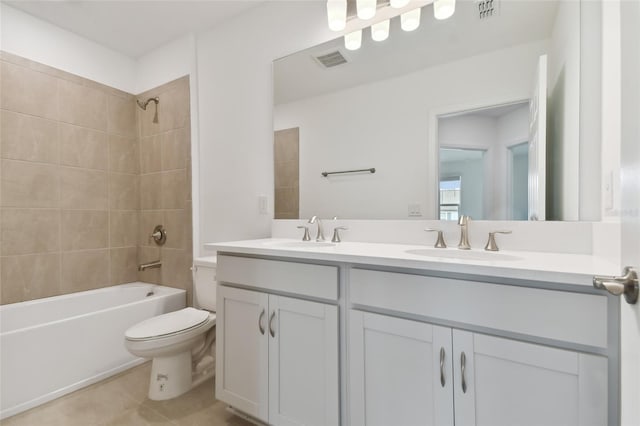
{"x":32,"y":38}
{"x":355,"y":129}
{"x":235,"y":101}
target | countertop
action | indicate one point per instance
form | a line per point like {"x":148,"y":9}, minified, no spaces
{"x":561,"y":268}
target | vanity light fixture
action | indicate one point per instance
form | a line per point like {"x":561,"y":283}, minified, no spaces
{"x":380,"y":30}
{"x":410,"y":20}
{"x":353,"y":40}
{"x":366,"y":9}
{"x":337,"y":14}
{"x":443,"y":9}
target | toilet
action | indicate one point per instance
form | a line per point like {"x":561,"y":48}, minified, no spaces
{"x":180,"y":342}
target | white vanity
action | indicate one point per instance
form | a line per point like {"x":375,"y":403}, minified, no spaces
{"x":389,"y":334}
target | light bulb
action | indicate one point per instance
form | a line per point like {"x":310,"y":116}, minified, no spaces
{"x":353,"y":41}
{"x":443,"y":9}
{"x":366,"y":8}
{"x":337,"y":14}
{"x":397,"y":4}
{"x":380,"y":31}
{"x":410,"y":20}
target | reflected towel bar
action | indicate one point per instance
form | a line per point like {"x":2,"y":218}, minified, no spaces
{"x":371,"y":170}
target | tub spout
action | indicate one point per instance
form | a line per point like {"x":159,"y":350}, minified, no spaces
{"x":154,"y":264}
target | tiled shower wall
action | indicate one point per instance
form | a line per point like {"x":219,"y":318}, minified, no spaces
{"x":165,"y":184}
{"x":69,"y":183}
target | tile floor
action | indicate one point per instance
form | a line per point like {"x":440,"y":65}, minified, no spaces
{"x":122,"y":401}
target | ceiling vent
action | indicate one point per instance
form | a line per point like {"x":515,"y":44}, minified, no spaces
{"x":487,"y":8}
{"x":331,"y":59}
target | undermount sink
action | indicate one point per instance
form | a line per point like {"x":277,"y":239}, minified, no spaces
{"x":462,"y":254}
{"x":302,"y":244}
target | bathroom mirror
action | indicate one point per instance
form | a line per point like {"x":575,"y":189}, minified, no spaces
{"x":388,"y":105}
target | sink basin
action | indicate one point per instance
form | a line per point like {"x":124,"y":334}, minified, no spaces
{"x":462,"y":254}
{"x":302,"y":244}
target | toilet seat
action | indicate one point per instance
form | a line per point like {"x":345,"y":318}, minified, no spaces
{"x":172,"y":323}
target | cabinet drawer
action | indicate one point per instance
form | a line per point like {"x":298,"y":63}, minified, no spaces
{"x":559,"y":315}
{"x":288,"y":277}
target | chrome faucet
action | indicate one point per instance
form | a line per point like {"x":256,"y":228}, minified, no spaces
{"x":154,"y":264}
{"x":463,"y":221}
{"x":320,"y":233}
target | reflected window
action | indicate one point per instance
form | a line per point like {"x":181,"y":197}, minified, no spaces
{"x":450,"y":197}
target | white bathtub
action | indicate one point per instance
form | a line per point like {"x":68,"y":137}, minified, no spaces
{"x":50,"y":347}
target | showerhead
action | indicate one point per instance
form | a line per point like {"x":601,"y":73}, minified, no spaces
{"x":143,"y":105}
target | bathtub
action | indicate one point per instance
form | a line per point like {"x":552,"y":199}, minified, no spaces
{"x":50,"y":347}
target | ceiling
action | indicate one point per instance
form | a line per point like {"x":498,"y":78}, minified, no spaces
{"x":134,"y":27}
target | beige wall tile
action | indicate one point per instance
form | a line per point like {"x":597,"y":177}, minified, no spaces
{"x":83,"y":189}
{"x":28,"y":91}
{"x":286,"y":174}
{"x":286,"y":145}
{"x":84,"y":229}
{"x":175,"y":222}
{"x":176,"y":270}
{"x":145,"y":255}
{"x":84,"y":270}
{"x":11,"y":291}
{"x":151,"y":154}
{"x":35,"y":276}
{"x":174,"y":189}
{"x":175,"y":149}
{"x":148,"y":220}
{"x":151,"y":191}
{"x":26,"y":231}
{"x":124,"y":155}
{"x":122,"y":116}
{"x":124,"y":191}
{"x":286,"y":199}
{"x":83,"y":147}
{"x":123,"y":228}
{"x":82,"y":105}
{"x":25,"y":137}
{"x":26,"y":184}
{"x":174,"y":108}
{"x":124,"y":265}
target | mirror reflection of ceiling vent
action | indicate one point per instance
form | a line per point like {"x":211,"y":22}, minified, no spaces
{"x":331,"y":59}
{"x":487,"y":8}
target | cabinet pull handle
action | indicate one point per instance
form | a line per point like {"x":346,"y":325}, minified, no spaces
{"x":272,"y":332}
{"x":260,"y":326}
{"x":442,"y":367}
{"x":463,"y":367}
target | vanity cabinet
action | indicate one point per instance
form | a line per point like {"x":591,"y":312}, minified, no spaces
{"x":412,"y":373}
{"x":457,"y":375}
{"x":277,"y":356}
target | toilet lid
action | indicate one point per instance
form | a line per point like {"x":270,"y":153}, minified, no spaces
{"x":172,"y":322}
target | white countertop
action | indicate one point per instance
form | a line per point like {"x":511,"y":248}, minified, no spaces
{"x":562,"y":268}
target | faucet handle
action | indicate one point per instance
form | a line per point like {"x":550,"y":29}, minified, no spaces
{"x":491,"y":243}
{"x":306,"y":236}
{"x":440,"y":241}
{"x":336,"y":233}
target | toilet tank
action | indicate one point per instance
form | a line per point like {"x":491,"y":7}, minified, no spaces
{"x":204,"y":283}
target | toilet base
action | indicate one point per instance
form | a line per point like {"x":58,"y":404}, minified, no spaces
{"x":170,"y":376}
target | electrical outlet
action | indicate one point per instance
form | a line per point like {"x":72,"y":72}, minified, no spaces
{"x":263,"y":204}
{"x":414,"y":210}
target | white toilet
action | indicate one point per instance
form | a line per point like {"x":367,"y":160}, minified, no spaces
{"x":180,"y":342}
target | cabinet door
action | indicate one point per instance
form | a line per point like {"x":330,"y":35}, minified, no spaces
{"x":400,"y":372}
{"x":303,"y":363}
{"x":242,"y":350}
{"x":513,"y":383}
